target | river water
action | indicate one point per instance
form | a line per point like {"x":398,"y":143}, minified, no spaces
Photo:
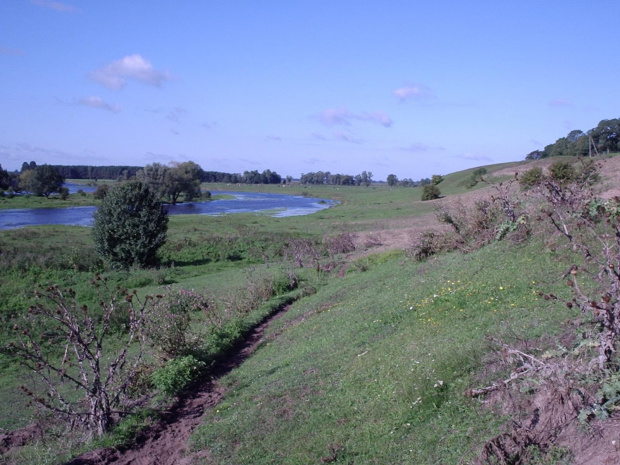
{"x":275,"y":205}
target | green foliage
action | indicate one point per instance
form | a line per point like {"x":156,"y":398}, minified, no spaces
{"x":562,"y":171}
{"x":476,"y":176}
{"x":42,"y":181}
{"x":430,"y":192}
{"x":531,"y":177}
{"x":130,"y":226}
{"x":101,"y":192}
{"x":63,"y":193}
{"x":436,"y":179}
{"x":173,"y":377}
{"x":169,"y":182}
{"x":392,"y":180}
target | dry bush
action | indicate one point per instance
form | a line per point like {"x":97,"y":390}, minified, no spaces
{"x":429,"y":243}
{"x":167,"y":326}
{"x":67,"y":346}
{"x":590,"y":227}
{"x":343,"y":242}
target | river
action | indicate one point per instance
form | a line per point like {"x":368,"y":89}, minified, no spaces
{"x":275,"y":205}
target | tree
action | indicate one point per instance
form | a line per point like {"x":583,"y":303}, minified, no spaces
{"x":392,"y":180}
{"x":154,"y":176}
{"x":436,"y":179}
{"x":431,"y":192}
{"x":183,"y":178}
{"x":5,"y":179}
{"x":130,"y":226}
{"x":42,"y":180}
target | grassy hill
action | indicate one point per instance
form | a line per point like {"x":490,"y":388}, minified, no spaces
{"x":378,"y":362}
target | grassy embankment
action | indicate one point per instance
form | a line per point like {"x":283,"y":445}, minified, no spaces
{"x":370,"y":369}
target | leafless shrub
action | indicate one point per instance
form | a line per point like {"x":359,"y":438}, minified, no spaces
{"x":373,"y":240}
{"x":591,"y":228}
{"x":343,"y":242}
{"x":303,"y":253}
{"x":487,"y":220}
{"x":65,"y":344}
{"x":427,"y":244}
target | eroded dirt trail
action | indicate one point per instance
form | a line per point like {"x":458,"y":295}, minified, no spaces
{"x":166,"y":442}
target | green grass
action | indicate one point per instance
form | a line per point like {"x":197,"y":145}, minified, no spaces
{"x":341,"y":375}
{"x":373,"y":367}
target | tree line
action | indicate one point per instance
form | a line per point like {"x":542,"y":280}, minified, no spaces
{"x":329,"y":179}
{"x":169,"y":182}
{"x":604,"y":138}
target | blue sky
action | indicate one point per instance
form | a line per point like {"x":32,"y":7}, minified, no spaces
{"x":412,"y":88}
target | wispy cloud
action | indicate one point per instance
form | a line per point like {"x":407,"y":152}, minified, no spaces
{"x":10,"y":51}
{"x":474,"y":157}
{"x":98,"y":102}
{"x":558,"y":102}
{"x":209,"y":125}
{"x":176,"y":113}
{"x":417,"y":92}
{"x":116,"y":74}
{"x":346,"y":137}
{"x":56,"y":6}
{"x":418,"y":147}
{"x":316,"y":135}
{"x":274,"y":138}
{"x":342,"y":116}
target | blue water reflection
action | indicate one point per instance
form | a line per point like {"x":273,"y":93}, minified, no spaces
{"x":275,"y":205}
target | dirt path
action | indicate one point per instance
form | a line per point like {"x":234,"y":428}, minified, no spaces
{"x":166,"y":442}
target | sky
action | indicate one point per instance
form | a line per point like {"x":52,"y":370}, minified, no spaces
{"x":411,"y":88}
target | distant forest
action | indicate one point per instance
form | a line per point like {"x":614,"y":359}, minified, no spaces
{"x":126,"y":172}
{"x":604,"y":138}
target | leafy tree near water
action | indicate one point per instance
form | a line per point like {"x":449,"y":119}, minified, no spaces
{"x":43,"y":180}
{"x":130,"y":226}
{"x":169,"y":182}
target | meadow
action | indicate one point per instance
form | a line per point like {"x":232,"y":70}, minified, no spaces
{"x":373,"y":360}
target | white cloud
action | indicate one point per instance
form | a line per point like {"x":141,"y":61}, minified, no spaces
{"x":115,"y":75}
{"x":98,"y":102}
{"x":342,"y":116}
{"x":414,"y":92}
{"x":57,"y":6}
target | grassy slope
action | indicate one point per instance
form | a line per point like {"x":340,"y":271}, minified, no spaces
{"x":354,"y":368}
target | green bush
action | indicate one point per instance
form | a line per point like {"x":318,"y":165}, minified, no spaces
{"x":475,"y":177}
{"x":101,"y":192}
{"x":562,"y":171}
{"x":177,"y":374}
{"x":531,"y":177}
{"x":130,"y":226}
{"x":431,"y":192}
